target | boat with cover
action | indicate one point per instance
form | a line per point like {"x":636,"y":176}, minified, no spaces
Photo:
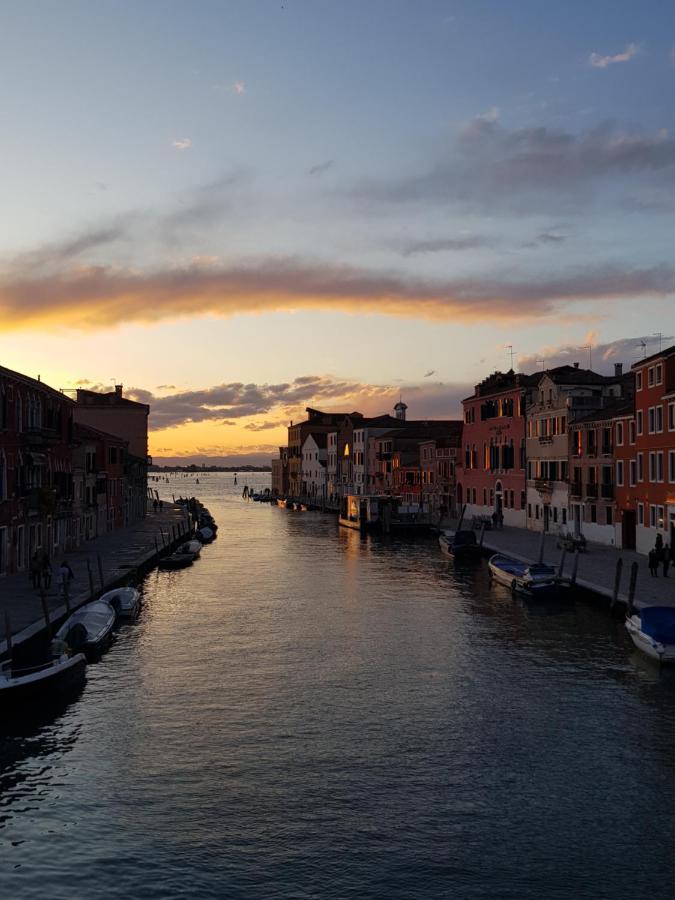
{"x":533,"y":579}
{"x":20,"y":686}
{"x":176,"y":561}
{"x":205,"y":535}
{"x":126,"y":601}
{"x":193,"y":547}
{"x":88,"y":630}
{"x":460,"y":544}
{"x":652,"y":630}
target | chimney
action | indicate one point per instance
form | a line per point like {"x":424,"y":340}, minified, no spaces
{"x":618,"y":370}
{"x":118,"y":390}
{"x":576,"y":365}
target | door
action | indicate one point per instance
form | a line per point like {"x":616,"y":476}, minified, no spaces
{"x":628,"y":529}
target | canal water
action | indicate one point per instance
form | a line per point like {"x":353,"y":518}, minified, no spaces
{"x":308,"y":714}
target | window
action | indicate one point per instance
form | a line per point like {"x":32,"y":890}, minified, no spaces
{"x":529,"y":510}
{"x":631,"y":431}
{"x":650,"y":376}
{"x":659,"y":418}
{"x":652,"y":516}
{"x":564,"y":516}
{"x":659,"y":465}
{"x":641,"y":513}
{"x":594,"y":513}
{"x":671,"y":466}
{"x":632,"y":469}
{"x":555,"y":513}
{"x":651,"y":419}
{"x":659,"y":517}
{"x":638,"y":417}
{"x":638,"y":381}
{"x":608,"y":515}
{"x":659,"y":373}
{"x":619,"y":434}
{"x":640,"y":467}
{"x":619,"y":472}
{"x":652,"y":466}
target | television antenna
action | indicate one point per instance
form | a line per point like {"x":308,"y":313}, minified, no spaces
{"x":590,"y":354}
{"x":509,"y":347}
{"x":659,"y":335}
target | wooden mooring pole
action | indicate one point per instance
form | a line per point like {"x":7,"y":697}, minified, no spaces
{"x":100,"y":569}
{"x":482,"y":534}
{"x":575,"y":566}
{"x":561,"y":564}
{"x":631,"y":586}
{"x":91,"y":577}
{"x":617,"y":581}
{"x":45,"y":612}
{"x":541,"y":547}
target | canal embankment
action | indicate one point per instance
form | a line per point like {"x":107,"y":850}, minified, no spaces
{"x":102,"y":564}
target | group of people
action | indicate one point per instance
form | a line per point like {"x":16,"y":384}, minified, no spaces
{"x":40,"y":572}
{"x":660,"y":555}
{"x":157,"y":504}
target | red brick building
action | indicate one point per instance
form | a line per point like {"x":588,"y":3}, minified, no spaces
{"x":492,"y":477}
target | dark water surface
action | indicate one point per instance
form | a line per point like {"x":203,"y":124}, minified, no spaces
{"x":304,"y":713}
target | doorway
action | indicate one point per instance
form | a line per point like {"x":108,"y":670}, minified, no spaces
{"x":628,"y":524}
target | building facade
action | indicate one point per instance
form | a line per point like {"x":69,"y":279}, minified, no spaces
{"x":314,"y":460}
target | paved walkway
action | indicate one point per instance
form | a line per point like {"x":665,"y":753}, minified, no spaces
{"x":120,"y":552}
{"x":597,"y":566}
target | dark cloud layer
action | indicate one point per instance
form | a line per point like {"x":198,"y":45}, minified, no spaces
{"x":531,"y":169}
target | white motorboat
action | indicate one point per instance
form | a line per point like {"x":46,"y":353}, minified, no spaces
{"x":533,"y":579}
{"x":125,"y":601}
{"x":193,"y":547}
{"x":89,"y":630}
{"x":652,"y":630}
{"x":27,"y":685}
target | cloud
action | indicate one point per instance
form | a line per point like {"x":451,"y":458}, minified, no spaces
{"x":601,"y":62}
{"x":94,"y":297}
{"x":528,"y":170}
{"x":166,"y":387}
{"x":442,"y":245}
{"x":322,"y":167}
{"x":182,"y":143}
{"x":265,"y":426}
{"x":605,"y":355}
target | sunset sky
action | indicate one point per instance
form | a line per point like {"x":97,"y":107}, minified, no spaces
{"x":241,"y":209}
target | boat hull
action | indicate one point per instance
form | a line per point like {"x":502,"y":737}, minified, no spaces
{"x":661,"y":653}
{"x":51,"y":681}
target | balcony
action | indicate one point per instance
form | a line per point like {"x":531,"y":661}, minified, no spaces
{"x":591,"y":491}
{"x":575,"y":489}
{"x":592,"y":451}
{"x":382,"y":456}
{"x":543,"y":485}
{"x":607,"y":450}
{"x":607,"y":491}
{"x":546,"y":439}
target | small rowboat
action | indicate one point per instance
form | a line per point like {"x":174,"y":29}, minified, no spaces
{"x":532,"y":579}
{"x":89,"y":630}
{"x":193,"y":547}
{"x":176,"y":561}
{"x":125,"y":601}
{"x":205,"y":535}
{"x":652,"y":630}
{"x":460,"y":544}
{"x":21,"y":686}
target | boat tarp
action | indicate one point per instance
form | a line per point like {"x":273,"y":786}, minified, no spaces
{"x":659,"y":623}
{"x":464,"y":538}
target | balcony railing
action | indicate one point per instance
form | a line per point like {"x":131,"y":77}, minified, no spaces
{"x":607,"y":491}
{"x":607,"y":450}
{"x":543,"y":485}
{"x":545,"y":438}
{"x":37,"y":436}
{"x":591,"y":491}
{"x":575,"y":489}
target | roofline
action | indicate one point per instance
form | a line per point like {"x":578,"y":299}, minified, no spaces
{"x":28,"y":381}
{"x":662,"y":354}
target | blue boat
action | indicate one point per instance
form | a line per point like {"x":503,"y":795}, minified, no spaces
{"x":532,"y":579}
{"x":652,"y":630}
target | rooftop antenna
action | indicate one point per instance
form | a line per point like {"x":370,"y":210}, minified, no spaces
{"x":590,"y":355}
{"x":659,"y":335}
{"x":509,"y":347}
{"x":543,"y":364}
{"x":643,"y":344}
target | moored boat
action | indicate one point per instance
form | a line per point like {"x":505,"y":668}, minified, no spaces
{"x":652,"y":630}
{"x":176,"y":561}
{"x":88,"y":630}
{"x":193,"y":547}
{"x":125,"y":601}
{"x":532,"y":579}
{"x":460,"y":544}
{"x":19,"y":686}
{"x":205,"y":535}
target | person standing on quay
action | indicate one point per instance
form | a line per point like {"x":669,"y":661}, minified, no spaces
{"x":665,"y":559}
{"x":46,"y":569}
{"x":35,"y":571}
{"x":653,"y":563}
{"x":65,"y":577}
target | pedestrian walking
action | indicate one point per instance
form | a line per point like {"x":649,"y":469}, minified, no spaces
{"x":653,"y":563}
{"x":154,"y":504}
{"x":35,"y":571}
{"x":65,"y":574}
{"x":665,"y":560}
